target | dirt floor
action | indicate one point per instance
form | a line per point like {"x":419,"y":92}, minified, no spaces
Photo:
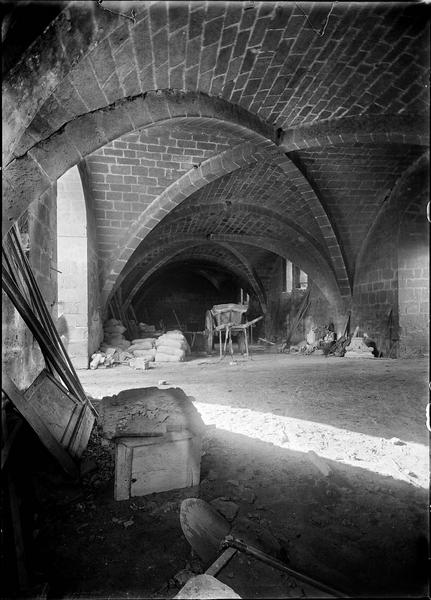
{"x":321,"y":461}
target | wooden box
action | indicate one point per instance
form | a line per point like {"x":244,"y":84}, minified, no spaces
{"x":156,"y":464}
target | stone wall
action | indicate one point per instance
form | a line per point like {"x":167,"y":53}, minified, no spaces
{"x":392,"y":270}
{"x":72,"y":264}
{"x":284,"y":305}
{"x":375,"y":291}
{"x":21,"y":355}
{"x":95,"y":328}
{"x":413,"y":282}
{"x":79,"y":304}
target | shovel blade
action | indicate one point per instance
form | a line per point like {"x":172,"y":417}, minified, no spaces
{"x":203,"y":527}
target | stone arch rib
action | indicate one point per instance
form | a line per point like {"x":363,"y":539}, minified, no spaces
{"x":319,"y":213}
{"x":27,"y":176}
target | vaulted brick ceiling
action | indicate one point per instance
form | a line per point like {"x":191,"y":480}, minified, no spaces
{"x":285,"y":122}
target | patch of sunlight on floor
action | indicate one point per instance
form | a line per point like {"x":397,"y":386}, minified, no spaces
{"x":406,"y":461}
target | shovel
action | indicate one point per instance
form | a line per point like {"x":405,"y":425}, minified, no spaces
{"x":208,"y":534}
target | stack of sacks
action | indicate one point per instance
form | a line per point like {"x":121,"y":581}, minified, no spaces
{"x":172,"y":347}
{"x":143,"y":348}
{"x":113,"y":336}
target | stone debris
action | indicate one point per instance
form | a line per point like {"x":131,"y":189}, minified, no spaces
{"x":182,"y":577}
{"x":140,"y":363}
{"x":97,"y":463}
{"x":228,"y":509}
{"x":358,"y":349}
{"x":128,"y":523}
{"x":397,"y":442}
{"x":148,"y":411}
{"x":88,"y":465}
{"x":246,"y":495}
{"x":205,"y":587}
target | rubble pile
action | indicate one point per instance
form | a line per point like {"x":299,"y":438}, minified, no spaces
{"x":358,"y":349}
{"x":113,"y":349}
{"x":97,"y":465}
{"x":148,"y":411}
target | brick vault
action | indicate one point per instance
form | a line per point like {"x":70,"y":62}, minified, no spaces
{"x":232,"y":135}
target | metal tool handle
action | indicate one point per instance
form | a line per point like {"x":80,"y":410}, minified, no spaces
{"x":230,"y":541}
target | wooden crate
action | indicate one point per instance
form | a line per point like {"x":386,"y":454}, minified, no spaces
{"x":69,"y":421}
{"x":156,"y":464}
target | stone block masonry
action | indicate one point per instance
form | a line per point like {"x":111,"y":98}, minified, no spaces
{"x":21,"y":355}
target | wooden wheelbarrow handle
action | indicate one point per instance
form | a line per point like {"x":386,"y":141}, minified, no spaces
{"x":248,"y":323}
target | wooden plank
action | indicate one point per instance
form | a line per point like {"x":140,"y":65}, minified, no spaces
{"x":68,"y":420}
{"x":57,"y":408}
{"x":221,"y":561}
{"x":80,"y":439}
{"x":36,"y":423}
{"x":303,"y":307}
{"x":123,"y":471}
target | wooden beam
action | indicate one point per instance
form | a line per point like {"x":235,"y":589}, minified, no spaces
{"x":44,"y":315}
{"x":221,"y":562}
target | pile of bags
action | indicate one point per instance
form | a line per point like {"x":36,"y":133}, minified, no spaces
{"x":113,"y":336}
{"x":172,"y":346}
{"x":143,"y":348}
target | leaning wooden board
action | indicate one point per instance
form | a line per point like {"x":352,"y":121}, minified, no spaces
{"x":69,"y":421}
{"x":38,"y":425}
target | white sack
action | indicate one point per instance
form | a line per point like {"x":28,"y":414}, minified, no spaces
{"x":161,"y":357}
{"x":147,"y":353}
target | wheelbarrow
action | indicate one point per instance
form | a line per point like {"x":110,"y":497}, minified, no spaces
{"x":208,"y":533}
{"x":228,"y":318}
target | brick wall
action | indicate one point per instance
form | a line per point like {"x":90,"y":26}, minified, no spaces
{"x":352,"y":182}
{"x":21,"y":355}
{"x":127,"y":175}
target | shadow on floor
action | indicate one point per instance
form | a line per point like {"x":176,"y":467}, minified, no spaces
{"x":351,"y":529}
